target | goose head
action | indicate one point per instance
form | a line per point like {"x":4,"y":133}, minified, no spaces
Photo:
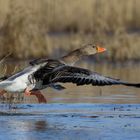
{"x":92,"y":49}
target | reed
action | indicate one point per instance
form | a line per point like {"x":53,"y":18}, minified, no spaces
{"x":33,"y":28}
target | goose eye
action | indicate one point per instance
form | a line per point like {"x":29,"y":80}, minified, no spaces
{"x":94,"y":47}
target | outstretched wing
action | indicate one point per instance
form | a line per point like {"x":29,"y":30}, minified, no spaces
{"x":4,"y":77}
{"x":38,"y":61}
{"x":44,"y":71}
{"x":82,"y":76}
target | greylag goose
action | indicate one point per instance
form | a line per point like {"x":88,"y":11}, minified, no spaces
{"x":32,"y":77}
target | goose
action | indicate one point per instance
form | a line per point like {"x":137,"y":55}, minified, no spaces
{"x":31,"y":79}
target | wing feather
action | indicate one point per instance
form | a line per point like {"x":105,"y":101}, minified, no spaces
{"x":82,"y":76}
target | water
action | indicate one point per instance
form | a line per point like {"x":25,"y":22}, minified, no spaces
{"x":83,"y":113}
{"x":72,"y":121}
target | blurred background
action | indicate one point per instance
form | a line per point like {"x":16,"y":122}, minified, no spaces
{"x":37,"y":28}
{"x":51,"y":28}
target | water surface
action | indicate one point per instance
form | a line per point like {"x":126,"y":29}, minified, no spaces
{"x":72,"y":121}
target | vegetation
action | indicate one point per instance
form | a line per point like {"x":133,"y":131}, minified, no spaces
{"x":37,"y":28}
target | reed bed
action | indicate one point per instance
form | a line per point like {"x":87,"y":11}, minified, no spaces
{"x":33,"y":28}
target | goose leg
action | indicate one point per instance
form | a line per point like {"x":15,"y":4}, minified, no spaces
{"x":2,"y":92}
{"x":27,"y":92}
{"x":40,"y":97}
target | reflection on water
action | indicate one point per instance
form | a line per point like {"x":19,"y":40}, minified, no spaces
{"x":29,"y":129}
{"x":86,"y":94}
{"x":40,"y":125}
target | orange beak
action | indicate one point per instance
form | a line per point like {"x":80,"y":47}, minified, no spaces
{"x":100,"y":49}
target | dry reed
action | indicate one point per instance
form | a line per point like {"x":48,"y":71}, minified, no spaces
{"x":33,"y":28}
